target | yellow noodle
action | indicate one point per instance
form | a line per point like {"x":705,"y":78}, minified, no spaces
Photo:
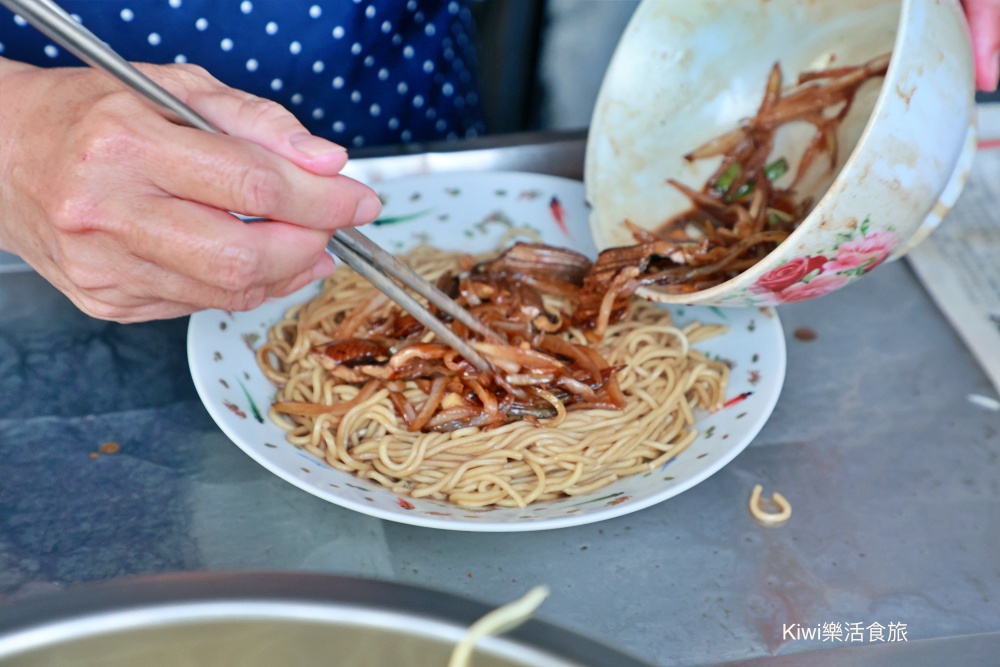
{"x":574,"y":453}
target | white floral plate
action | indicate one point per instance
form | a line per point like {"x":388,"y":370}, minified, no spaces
{"x":474,"y":212}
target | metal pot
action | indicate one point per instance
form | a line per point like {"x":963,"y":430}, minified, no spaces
{"x":271,"y":619}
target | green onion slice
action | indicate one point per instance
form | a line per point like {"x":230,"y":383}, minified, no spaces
{"x":776,"y":169}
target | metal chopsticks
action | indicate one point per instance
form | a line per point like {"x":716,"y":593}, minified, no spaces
{"x":350,"y":245}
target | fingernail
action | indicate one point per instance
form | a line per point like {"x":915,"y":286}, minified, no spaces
{"x":324,"y":268}
{"x":368,"y":210}
{"x":314,"y":146}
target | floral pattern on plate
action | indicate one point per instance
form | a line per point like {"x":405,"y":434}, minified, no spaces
{"x":479,"y":213}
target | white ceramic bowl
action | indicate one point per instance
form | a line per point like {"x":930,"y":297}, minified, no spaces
{"x":685,"y":72}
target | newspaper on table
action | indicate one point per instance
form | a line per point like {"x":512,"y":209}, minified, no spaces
{"x":959,"y":264}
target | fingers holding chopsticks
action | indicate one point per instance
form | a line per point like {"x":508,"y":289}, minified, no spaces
{"x":127,"y":213}
{"x":232,"y":174}
{"x":249,"y":117}
{"x":227,"y":254}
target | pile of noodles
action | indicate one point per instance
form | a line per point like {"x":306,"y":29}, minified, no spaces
{"x":574,"y":452}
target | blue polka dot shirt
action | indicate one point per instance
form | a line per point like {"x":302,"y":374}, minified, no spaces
{"x":358,"y":72}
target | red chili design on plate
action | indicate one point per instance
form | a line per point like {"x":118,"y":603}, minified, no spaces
{"x":235,"y":409}
{"x":559,"y":214}
{"x":736,"y":399}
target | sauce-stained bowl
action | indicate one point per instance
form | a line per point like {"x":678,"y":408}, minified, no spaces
{"x":685,"y":72}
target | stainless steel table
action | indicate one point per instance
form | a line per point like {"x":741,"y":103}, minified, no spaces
{"x":893,"y":474}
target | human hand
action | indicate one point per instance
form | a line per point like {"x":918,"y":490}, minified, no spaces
{"x":127,"y":213}
{"x":984,"y":23}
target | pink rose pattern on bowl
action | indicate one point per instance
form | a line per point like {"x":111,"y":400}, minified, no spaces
{"x":815,"y":275}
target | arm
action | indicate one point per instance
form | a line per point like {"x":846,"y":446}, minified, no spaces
{"x":126,"y":213}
